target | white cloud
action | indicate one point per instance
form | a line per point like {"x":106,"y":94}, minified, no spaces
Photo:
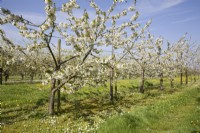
{"x":36,"y":18}
{"x":148,"y":8}
{"x":178,"y":13}
{"x":155,"y":6}
{"x":184,"y":20}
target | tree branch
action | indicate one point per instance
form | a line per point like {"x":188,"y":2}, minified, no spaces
{"x":48,"y":46}
{"x":63,"y":62}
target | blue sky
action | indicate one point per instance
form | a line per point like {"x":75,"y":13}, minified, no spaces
{"x":170,"y":18}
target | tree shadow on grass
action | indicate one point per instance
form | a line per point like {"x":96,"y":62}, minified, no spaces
{"x":198,"y":100}
{"x":95,"y":106}
{"x":85,"y":105}
{"x":16,"y":114}
{"x":9,"y":119}
{"x":195,"y":131}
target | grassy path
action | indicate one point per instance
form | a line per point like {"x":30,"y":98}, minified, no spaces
{"x":183,"y":119}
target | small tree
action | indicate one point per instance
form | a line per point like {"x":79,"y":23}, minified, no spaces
{"x":160,"y":60}
{"x":143,"y":54}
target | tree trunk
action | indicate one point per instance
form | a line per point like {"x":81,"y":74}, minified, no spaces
{"x":6,"y":75}
{"x":31,"y":77}
{"x":116,"y":88}
{"x":31,"y":80}
{"x":171,"y":83}
{"x":186,"y":76}
{"x":22,"y":76}
{"x":52,"y":97}
{"x":141,"y":89}
{"x":58,"y":98}
{"x":51,"y":103}
{"x":181,"y":80}
{"x":1,"y":76}
{"x":40,"y":76}
{"x":111,"y":77}
{"x":111,"y":84}
{"x":161,"y":81}
{"x":59,"y":60}
{"x":6,"y":78}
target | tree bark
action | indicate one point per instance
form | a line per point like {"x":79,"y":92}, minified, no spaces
{"x":59,"y":60}
{"x":181,"y":80}
{"x":22,"y":76}
{"x":51,"y":103}
{"x":1,"y":76}
{"x":31,"y":77}
{"x":58,"y":98}
{"x":171,"y":83}
{"x":111,"y":84}
{"x":186,"y":76}
{"x":52,"y":97}
{"x":141,"y":89}
{"x":116,"y":88}
{"x":161,"y":84}
{"x":6,"y":73}
{"x":111,"y":77}
{"x":6,"y":78}
{"x":40,"y":76}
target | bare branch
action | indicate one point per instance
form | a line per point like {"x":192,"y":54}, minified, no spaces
{"x":48,"y":46}
{"x":65,"y":61}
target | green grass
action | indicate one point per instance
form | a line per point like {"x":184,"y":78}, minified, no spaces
{"x":171,"y":113}
{"x":18,"y":78}
{"x":20,"y":101}
{"x":24,"y":108}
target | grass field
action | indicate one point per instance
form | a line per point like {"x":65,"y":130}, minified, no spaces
{"x":24,"y":109}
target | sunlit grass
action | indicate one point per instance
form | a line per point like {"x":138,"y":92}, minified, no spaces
{"x":171,"y":113}
{"x":24,"y":107}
